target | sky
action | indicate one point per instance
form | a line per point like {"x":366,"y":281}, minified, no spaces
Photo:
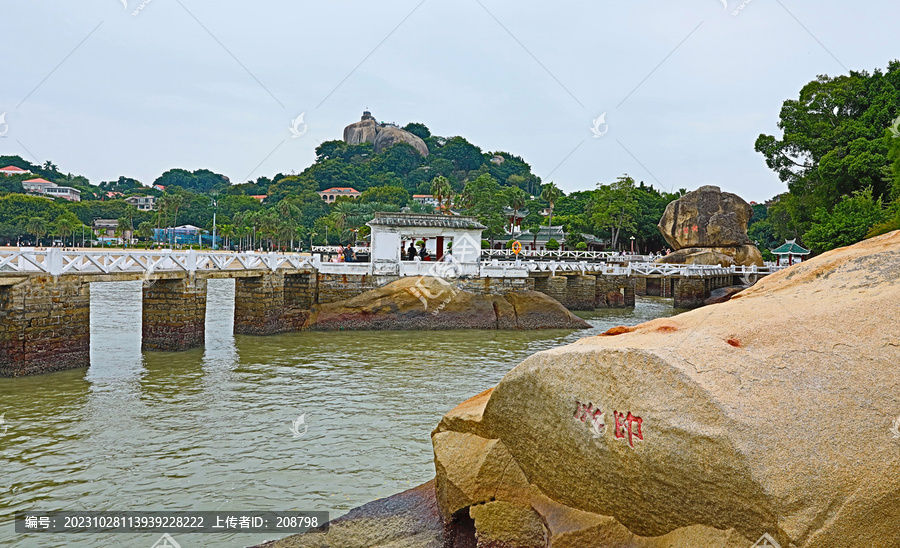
{"x":672,"y":93}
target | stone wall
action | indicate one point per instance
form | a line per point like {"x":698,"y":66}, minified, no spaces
{"x":580,"y":292}
{"x":337,"y":287}
{"x":44,"y":326}
{"x":495,"y":286}
{"x":173,"y":315}
{"x":259,"y":304}
{"x":614,"y":291}
{"x":690,"y":292}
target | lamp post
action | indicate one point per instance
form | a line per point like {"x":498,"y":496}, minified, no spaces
{"x":632,"y":245}
{"x":215,"y":204}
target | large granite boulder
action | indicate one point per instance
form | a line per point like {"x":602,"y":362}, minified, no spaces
{"x":706,"y":217}
{"x":382,"y":136}
{"x":777,"y":412}
{"x":426,"y":302}
{"x":724,"y":256}
{"x":389,"y":136}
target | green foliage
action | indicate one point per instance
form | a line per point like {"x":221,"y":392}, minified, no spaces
{"x":835,"y":143}
{"x":581,"y":246}
{"x":483,"y":199}
{"x":847,"y":224}
{"x":419,"y":130}
{"x":615,"y":207}
{"x":386,"y":194}
{"x":552,"y":244}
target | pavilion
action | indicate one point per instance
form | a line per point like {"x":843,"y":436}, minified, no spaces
{"x":458,"y":235}
{"x":789,"y":250}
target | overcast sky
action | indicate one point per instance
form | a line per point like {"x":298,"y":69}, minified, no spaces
{"x":105,"y":90}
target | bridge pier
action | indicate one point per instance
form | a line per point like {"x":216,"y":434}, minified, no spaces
{"x":173,"y":316}
{"x":259,"y":304}
{"x":580,"y":292}
{"x":690,"y":292}
{"x":614,"y":291}
{"x":44,"y":325}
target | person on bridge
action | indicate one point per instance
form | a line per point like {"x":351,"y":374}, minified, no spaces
{"x":411,"y":252}
{"x":348,"y":254}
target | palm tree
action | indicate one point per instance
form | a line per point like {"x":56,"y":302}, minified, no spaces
{"x":65,"y":225}
{"x":38,"y":227}
{"x":145,"y":230}
{"x":176,"y":202}
{"x":341,"y":213}
{"x":550,"y":194}
{"x":442,"y":189}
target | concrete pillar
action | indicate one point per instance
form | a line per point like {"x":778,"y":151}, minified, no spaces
{"x":173,"y":316}
{"x":689,"y":292}
{"x":44,"y":325}
{"x":259,"y":305}
{"x":580,"y":292}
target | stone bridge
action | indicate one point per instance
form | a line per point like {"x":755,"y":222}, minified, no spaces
{"x":45,"y":294}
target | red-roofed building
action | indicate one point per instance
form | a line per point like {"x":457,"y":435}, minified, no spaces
{"x":331,"y":194}
{"x":47,"y":189}
{"x":13,"y":170}
{"x":259,"y":197}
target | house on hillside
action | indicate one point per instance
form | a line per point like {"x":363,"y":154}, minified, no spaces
{"x":425,"y":199}
{"x":331,"y":194}
{"x":47,"y":189}
{"x":9,"y":171}
{"x":143,"y":203}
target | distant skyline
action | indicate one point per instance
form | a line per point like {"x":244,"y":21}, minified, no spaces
{"x":672,"y":95}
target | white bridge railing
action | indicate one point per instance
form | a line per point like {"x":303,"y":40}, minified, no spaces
{"x":604,"y":256}
{"x":629,"y":269}
{"x":55,"y":262}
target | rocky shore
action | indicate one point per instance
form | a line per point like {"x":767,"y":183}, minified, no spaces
{"x":773,"y":416}
{"x":431,"y":303}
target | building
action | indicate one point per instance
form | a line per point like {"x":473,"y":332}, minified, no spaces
{"x":184,"y":234}
{"x":45,"y":188}
{"x":331,"y":194}
{"x":105,"y":230}
{"x":425,"y":199}
{"x":790,"y":253}
{"x":143,"y":203}
{"x":260,"y":197}
{"x":9,"y":171}
{"x":534,"y":243}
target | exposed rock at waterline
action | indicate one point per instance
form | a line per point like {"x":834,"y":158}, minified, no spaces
{"x":431,"y":303}
{"x":773,"y":413}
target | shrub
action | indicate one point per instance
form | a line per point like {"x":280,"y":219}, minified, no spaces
{"x":581,"y":246}
{"x":553,"y":245}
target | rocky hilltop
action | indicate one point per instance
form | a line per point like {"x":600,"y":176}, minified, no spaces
{"x":708,"y":226}
{"x":382,"y":136}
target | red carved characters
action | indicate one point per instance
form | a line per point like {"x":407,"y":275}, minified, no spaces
{"x":624,"y":423}
{"x":587,"y":413}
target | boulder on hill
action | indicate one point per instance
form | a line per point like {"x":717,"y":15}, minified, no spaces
{"x":382,"y":136}
{"x":777,"y":412}
{"x":432,"y":303}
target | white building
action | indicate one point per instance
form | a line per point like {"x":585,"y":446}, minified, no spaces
{"x":9,"y":171}
{"x":425,"y":199}
{"x":143,"y":203}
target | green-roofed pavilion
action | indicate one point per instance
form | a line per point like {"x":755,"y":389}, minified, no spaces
{"x":788,"y":250}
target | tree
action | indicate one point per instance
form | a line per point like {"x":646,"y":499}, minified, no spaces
{"x":385,"y":194}
{"x":37,"y":226}
{"x":516,"y":198}
{"x":550,"y":193}
{"x":835,"y":141}
{"x":847,"y":224}
{"x":482,"y":198}
{"x":419,"y":130}
{"x":145,"y":230}
{"x":552,"y":244}
{"x":443,"y":192}
{"x":65,"y":225}
{"x":615,"y":208}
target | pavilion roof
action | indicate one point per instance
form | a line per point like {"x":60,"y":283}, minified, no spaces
{"x":418,"y":220}
{"x":790,"y":247}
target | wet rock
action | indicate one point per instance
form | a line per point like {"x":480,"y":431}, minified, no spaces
{"x":773,"y":413}
{"x":723,"y":294}
{"x":431,"y":303}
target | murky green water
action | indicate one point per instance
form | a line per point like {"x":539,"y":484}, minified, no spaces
{"x":210,"y":429}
